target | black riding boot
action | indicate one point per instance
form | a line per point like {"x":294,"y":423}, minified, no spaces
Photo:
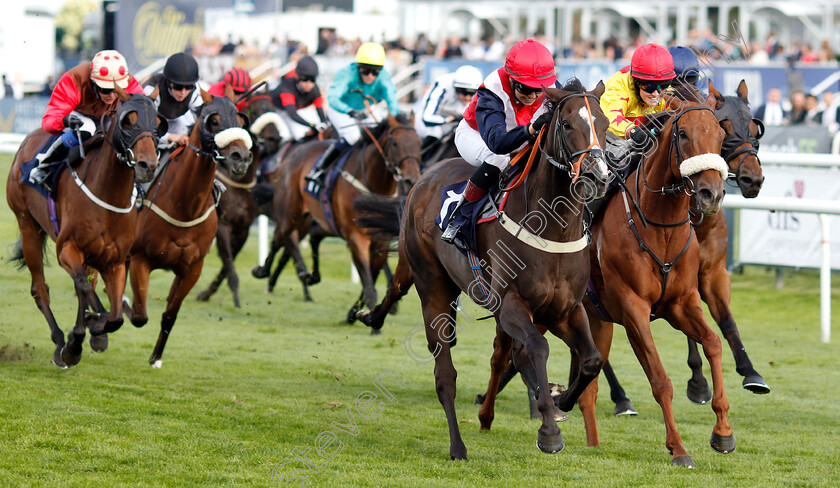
{"x":56,"y":152}
{"x":477,"y":186}
{"x":326,"y":160}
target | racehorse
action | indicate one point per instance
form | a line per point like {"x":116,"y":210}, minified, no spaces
{"x":646,"y":271}
{"x":92,"y":219}
{"x":439,"y":150}
{"x":237,"y":208}
{"x":387,"y":163}
{"x":740,"y":148}
{"x":536,"y":278}
{"x":176,"y":231}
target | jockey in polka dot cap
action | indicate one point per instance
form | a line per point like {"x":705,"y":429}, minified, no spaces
{"x":79,"y":100}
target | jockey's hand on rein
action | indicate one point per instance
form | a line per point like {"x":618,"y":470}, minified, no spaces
{"x":72,"y":122}
{"x":638,"y":135}
{"x":540,"y":122}
{"x":357,"y":114}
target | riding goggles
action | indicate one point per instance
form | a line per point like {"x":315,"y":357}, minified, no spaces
{"x":369,"y":71}
{"x":653,"y":87}
{"x":179,"y":87}
{"x":306,"y":79}
{"x":525,"y":89}
{"x":464,"y":92}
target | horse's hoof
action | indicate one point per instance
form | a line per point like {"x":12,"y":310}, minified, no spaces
{"x":722,"y":444}
{"x":351,"y":316}
{"x":99,"y":343}
{"x":624,"y":407}
{"x":203,"y":296}
{"x":156,"y":363}
{"x":700,"y":394}
{"x":550,"y":444}
{"x":236,"y":302}
{"x":57,"y":359}
{"x":756,"y":384}
{"x":684,"y":461}
{"x":375,"y":331}
{"x":69,"y":358}
{"x":559,"y":415}
{"x":259,"y":272}
{"x":479,"y":399}
{"x":308,"y":298}
{"x":394,"y":309}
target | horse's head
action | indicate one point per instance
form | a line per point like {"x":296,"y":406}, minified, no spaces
{"x":267,"y":123}
{"x":575,"y":137}
{"x":740,"y":145}
{"x":694,"y":137}
{"x":136,"y":130}
{"x":400,"y":147}
{"x":222,"y":135}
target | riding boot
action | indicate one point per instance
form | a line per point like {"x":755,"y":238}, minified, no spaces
{"x":477,"y":186}
{"x":326,"y":160}
{"x":56,"y":152}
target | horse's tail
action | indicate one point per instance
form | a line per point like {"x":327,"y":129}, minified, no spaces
{"x":379,"y":216}
{"x":263,"y":194}
{"x":16,"y":257}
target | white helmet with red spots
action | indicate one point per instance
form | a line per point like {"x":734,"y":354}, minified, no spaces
{"x":107,"y":68}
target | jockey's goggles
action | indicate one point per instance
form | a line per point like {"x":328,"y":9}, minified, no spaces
{"x":104,"y":91}
{"x":179,"y":87}
{"x":653,"y":87}
{"x":464,"y":92}
{"x":369,"y":70}
{"x":306,"y":79}
{"x":525,"y":89}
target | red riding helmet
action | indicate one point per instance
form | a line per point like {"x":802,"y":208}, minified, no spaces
{"x":531,"y":64}
{"x":652,"y":62}
{"x":238,"y":79}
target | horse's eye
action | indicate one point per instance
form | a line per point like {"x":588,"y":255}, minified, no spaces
{"x":683,"y":134}
{"x":567,"y":125}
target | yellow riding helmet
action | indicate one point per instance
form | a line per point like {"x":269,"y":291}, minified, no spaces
{"x":371,"y":53}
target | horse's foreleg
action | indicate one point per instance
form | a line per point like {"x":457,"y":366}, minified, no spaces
{"x":360,"y":249}
{"x":400,"y":284}
{"x":32,"y":244}
{"x":498,"y":362}
{"x":623,"y":405}
{"x":223,"y":246}
{"x":636,"y":322}
{"x":688,"y":317}
{"x":72,"y":260}
{"x":275,"y":274}
{"x":316,"y":235}
{"x":515,"y":319}
{"x":181,"y":287}
{"x":264,"y":270}
{"x":239,"y":235}
{"x":139,"y":270}
{"x":715,"y":290}
{"x":578,"y":337}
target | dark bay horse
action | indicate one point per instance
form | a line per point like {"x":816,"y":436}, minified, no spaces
{"x":237,"y":208}
{"x":739,"y":150}
{"x":386,"y":163}
{"x":645,"y":259}
{"x":534,"y":259}
{"x":95,"y":219}
{"x":177,"y":226}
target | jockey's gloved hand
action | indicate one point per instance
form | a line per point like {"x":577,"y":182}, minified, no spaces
{"x":540,"y":122}
{"x":638,"y":135}
{"x":72,"y":122}
{"x":357,"y":114}
{"x":320,"y":126}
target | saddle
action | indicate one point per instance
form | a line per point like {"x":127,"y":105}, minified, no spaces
{"x":73,"y":159}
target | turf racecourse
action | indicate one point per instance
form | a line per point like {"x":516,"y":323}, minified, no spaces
{"x":246,"y":393}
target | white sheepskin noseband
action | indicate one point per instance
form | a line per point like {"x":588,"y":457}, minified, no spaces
{"x":265,"y":119}
{"x":702,"y":162}
{"x":227,"y":136}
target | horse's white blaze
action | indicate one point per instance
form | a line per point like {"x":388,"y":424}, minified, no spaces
{"x":584,"y":114}
{"x":226,"y":137}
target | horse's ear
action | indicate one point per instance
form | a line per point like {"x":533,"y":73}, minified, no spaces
{"x":121,"y":94}
{"x":742,"y":91}
{"x":155,"y":93}
{"x":392,"y":121}
{"x":206,"y":97}
{"x":229,"y":93}
{"x":599,"y":90}
{"x":716,"y":95}
{"x":244,"y":121}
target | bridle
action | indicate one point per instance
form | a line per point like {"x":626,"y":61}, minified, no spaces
{"x":568,"y":163}
{"x":122,"y":140}
{"x":393,"y":167}
{"x":734,"y":145}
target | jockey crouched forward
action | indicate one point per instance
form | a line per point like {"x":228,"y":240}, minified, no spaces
{"x":79,"y":99}
{"x":297,"y":91}
{"x":441,"y":108}
{"x":365,"y":77}
{"x":177,"y":100}
{"x":506,"y":113}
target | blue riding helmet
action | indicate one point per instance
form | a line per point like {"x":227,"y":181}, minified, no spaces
{"x":686,"y":64}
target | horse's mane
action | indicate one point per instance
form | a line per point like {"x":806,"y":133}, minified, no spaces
{"x":382,"y":126}
{"x":682,"y":92}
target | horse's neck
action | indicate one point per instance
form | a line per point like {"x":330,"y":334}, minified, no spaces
{"x":371,"y":166}
{"x":547,"y":202}
{"x":106,"y":176}
{"x":657,"y":173}
{"x":190,"y":179}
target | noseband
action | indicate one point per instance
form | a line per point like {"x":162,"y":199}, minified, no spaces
{"x":568,"y":163}
{"x":125,"y":139}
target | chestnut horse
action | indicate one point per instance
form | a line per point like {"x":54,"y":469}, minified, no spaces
{"x":92,"y":222}
{"x":237,"y":208}
{"x":645,"y":259}
{"x":387,"y":163}
{"x":176,"y":230}
{"x":739,"y":150}
{"x":535,"y":279}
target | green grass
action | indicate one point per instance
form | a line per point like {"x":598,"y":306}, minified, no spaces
{"x":241,"y":389}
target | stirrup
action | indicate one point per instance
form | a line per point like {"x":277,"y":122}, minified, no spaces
{"x":314,"y":178}
{"x":38,"y":176}
{"x":450,"y":233}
